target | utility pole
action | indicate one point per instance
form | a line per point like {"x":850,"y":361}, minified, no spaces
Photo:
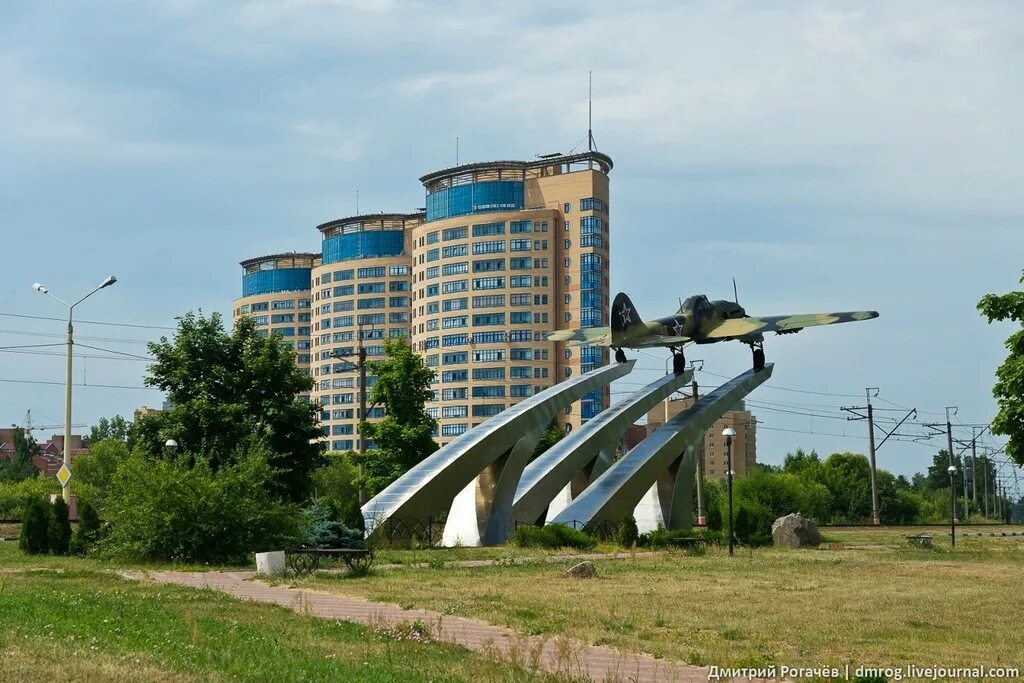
{"x":876,"y":513}
{"x":949,"y":441}
{"x":360,"y":365}
{"x":974,"y":464}
{"x":702,"y":515}
{"x":987,"y":466}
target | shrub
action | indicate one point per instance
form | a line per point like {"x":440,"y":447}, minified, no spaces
{"x":93,"y":472}
{"x":15,"y":496}
{"x":335,"y":482}
{"x":552,"y":536}
{"x":714,"y":494}
{"x":752,"y":523}
{"x":323,"y":530}
{"x":627,"y":533}
{"x":171,"y":510}
{"x":662,"y":538}
{"x":58,"y":535}
{"x":35,"y":522}
{"x":88,"y":531}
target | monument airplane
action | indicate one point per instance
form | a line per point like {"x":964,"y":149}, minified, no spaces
{"x":699,"y":321}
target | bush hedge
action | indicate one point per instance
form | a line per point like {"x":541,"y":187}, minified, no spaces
{"x":35,"y":524}
{"x":15,"y":496}
{"x":173,"y":510}
{"x":58,"y":533}
{"x":552,"y":536}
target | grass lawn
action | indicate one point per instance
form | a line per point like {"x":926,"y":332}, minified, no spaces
{"x":73,"y":619}
{"x":863,"y":598}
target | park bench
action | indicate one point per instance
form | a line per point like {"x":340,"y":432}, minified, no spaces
{"x":920,"y":540}
{"x":303,"y":560}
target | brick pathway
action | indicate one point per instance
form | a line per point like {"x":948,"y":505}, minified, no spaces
{"x":559,"y":655}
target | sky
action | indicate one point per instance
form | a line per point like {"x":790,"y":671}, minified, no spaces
{"x":829,"y":156}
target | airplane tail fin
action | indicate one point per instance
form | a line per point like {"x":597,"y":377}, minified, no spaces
{"x":624,"y":316}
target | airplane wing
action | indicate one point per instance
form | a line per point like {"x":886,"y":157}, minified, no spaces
{"x":655,"y":340}
{"x":784,"y":324}
{"x":600,"y":336}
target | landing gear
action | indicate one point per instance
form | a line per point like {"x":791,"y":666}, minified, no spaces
{"x":678,"y":361}
{"x":620,"y":356}
{"x":758,"y":351}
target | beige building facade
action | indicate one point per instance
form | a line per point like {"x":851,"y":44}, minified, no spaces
{"x":508,"y":252}
{"x":362,"y":295}
{"x":504,"y":253}
{"x":276,"y":295}
{"x":744,"y":445}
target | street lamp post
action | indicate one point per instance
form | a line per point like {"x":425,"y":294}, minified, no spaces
{"x":729,"y":433}
{"x":39,"y":287}
{"x":952,"y":508}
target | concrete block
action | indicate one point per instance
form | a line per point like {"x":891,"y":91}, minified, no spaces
{"x":270,"y":564}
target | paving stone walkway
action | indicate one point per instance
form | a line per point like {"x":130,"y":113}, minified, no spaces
{"x":559,"y":655}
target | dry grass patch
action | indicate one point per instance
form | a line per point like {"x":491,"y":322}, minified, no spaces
{"x":888,"y":606}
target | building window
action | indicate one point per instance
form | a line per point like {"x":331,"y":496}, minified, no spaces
{"x":488,"y":229}
{"x":567,"y":226}
{"x":567,"y":207}
{"x":454,"y":251}
{"x":568,"y":372}
{"x":459,"y":233}
{"x":568,"y":261}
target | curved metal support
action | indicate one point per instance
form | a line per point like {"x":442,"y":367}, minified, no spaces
{"x":430,"y":487}
{"x":618,"y":490}
{"x":582,"y":456}
{"x":669,"y":502}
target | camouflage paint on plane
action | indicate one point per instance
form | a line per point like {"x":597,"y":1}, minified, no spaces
{"x":698,"y":320}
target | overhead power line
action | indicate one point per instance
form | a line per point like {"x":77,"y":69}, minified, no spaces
{"x":89,"y":322}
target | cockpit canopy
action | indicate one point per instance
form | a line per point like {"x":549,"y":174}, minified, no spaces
{"x":700,"y":305}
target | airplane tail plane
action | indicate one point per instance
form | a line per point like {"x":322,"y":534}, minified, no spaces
{"x":624,"y":316}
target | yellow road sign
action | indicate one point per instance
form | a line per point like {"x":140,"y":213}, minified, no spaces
{"x":63,"y":475}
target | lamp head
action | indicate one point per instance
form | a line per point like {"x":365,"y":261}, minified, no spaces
{"x":171,"y":445}
{"x":951,"y":470}
{"x":109,"y":281}
{"x":728,"y":432}
{"x":38,"y":286}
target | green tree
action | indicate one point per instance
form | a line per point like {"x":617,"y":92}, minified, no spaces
{"x":552,"y":435}
{"x":335,"y":484}
{"x":116,"y":428}
{"x":88,"y":530}
{"x":93,"y":472}
{"x":404,"y":437}
{"x":938,"y":471}
{"x":58,"y":536}
{"x":229,"y":389}
{"x":184,"y":510}
{"x":20,"y":466}
{"x":801,"y":461}
{"x":1009,"y":387}
{"x":35,"y":524}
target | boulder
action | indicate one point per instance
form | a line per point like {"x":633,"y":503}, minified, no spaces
{"x":796,"y":531}
{"x":583,"y":570}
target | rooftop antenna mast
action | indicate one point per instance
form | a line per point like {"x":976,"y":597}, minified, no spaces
{"x":357,"y":201}
{"x":590,"y":111}
{"x":456,"y":150}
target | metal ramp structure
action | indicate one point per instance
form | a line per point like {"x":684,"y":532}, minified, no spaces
{"x":475,"y":476}
{"x":562,"y":472}
{"x":664,"y":461}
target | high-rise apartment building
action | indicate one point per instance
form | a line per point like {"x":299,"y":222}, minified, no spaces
{"x":508,"y":252}
{"x":276,"y":295}
{"x":744,"y":445}
{"x":362,"y":293}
